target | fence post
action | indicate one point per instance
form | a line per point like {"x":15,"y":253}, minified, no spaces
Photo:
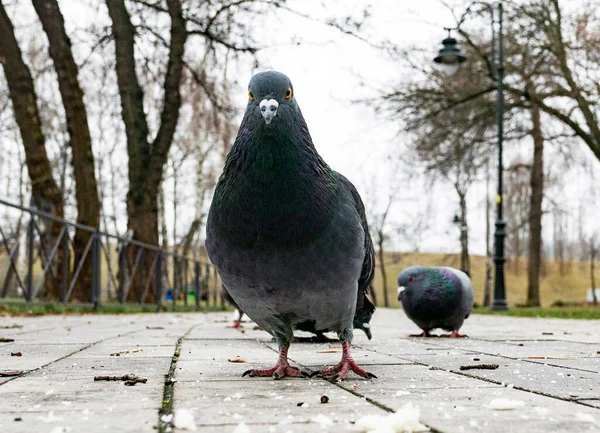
{"x":122,"y":272}
{"x":185,"y":284}
{"x":96,"y":267}
{"x":175,"y":272}
{"x":30,"y":236}
{"x":159,"y":290}
{"x":197,"y":283}
{"x":65,"y":267}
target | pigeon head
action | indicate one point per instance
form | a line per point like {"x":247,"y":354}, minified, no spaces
{"x":410,"y":281}
{"x":271,"y":99}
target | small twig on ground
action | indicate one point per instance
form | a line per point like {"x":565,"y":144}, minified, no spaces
{"x":130,"y":379}
{"x":16,"y":354}
{"x":123,"y":352}
{"x":11,"y":326}
{"x":10,"y":373}
{"x":155,"y":327}
{"x":479,"y":367}
{"x":6,"y":340}
{"x":550,"y":357}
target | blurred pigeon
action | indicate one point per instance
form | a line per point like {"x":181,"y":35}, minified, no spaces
{"x":438,"y":297}
{"x":287,"y":234}
{"x":237,"y":322}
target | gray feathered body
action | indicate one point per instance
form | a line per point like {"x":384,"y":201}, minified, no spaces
{"x":286,"y":233}
{"x":437,"y":297}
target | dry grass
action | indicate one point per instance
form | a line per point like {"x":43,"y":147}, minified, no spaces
{"x":569,"y":287}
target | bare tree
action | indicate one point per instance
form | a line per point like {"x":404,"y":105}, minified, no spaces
{"x":45,"y":192}
{"x":80,"y":141}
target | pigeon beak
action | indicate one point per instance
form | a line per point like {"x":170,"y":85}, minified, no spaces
{"x":401,"y":289}
{"x":268,"y":109}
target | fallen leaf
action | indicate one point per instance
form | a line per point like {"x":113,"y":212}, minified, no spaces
{"x":329,"y":351}
{"x":237,"y":360}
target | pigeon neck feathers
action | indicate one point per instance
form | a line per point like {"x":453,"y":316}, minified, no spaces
{"x":276,"y":178}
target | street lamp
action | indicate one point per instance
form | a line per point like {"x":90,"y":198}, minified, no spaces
{"x":451,"y":56}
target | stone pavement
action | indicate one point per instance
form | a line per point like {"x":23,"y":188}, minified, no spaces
{"x":548,"y":368}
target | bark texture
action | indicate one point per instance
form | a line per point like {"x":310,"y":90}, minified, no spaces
{"x":45,"y":192}
{"x":146,"y":158}
{"x":80,"y":142}
{"x":535,"y":210}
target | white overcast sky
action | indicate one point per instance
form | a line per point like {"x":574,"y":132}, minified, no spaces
{"x":327,"y":72}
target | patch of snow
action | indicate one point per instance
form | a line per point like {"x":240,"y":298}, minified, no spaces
{"x":242,"y":428}
{"x":184,"y":420}
{"x":322,"y":420}
{"x":60,"y":429}
{"x":51,"y":417}
{"x":585,"y":417}
{"x":167,"y":417}
{"x":541,"y":411}
{"x":505,"y":404}
{"x":405,"y":420}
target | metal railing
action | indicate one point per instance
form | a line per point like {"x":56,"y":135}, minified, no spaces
{"x":46,"y":259}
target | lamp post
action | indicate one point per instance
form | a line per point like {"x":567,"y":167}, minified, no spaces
{"x":450,"y":57}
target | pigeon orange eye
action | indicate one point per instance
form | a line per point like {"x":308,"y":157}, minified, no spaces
{"x":250,"y":95}
{"x":411,"y":279}
{"x":288,"y":94}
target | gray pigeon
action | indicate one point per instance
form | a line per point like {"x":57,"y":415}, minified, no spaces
{"x":287,"y":234}
{"x":438,"y":297}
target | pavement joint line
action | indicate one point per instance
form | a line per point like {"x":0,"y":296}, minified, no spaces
{"x":26,"y":373}
{"x":530,"y":361}
{"x":169,"y":388}
{"x":485,"y":379}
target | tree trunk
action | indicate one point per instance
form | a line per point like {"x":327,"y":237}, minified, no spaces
{"x":80,"y":142}
{"x":535,"y":210}
{"x":465,"y":263}
{"x":44,"y":190}
{"x":146,"y":159}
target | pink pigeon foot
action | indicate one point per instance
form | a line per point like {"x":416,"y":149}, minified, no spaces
{"x":455,"y":334}
{"x":422,"y":334}
{"x":237,"y":324}
{"x":281,"y":369}
{"x":340,"y":371}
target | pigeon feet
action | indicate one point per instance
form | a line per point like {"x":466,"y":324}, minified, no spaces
{"x":281,"y":369}
{"x":277,"y":372}
{"x":340,"y":371}
{"x":422,"y":334}
{"x":455,"y":334}
{"x":237,"y":324}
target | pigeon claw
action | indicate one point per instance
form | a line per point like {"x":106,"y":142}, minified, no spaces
{"x":455,"y":334}
{"x":277,"y":372}
{"x":341,"y":370}
{"x":422,"y":334}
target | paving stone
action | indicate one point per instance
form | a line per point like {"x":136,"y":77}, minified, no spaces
{"x":62,"y":354}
